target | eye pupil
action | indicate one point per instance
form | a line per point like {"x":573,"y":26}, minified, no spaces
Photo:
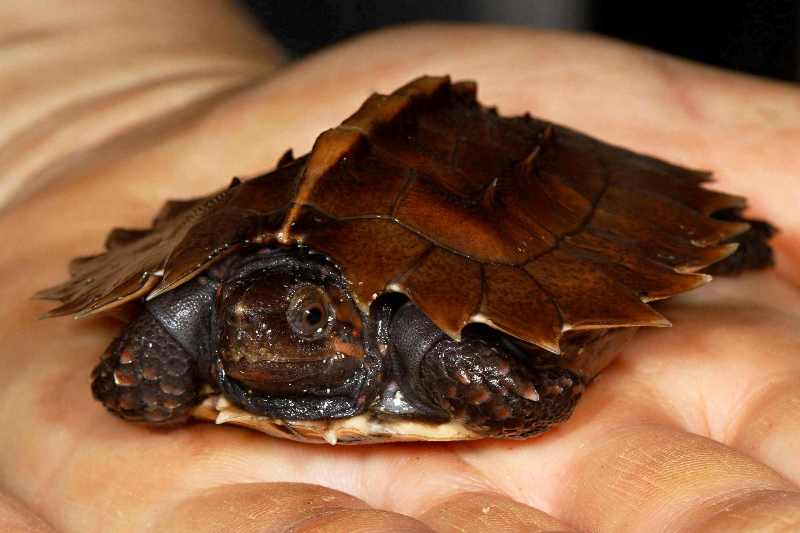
{"x":314,"y":315}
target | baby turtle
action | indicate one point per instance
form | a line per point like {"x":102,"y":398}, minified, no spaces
{"x":430,"y":271}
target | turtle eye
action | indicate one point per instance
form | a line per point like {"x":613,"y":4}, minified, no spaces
{"x":309,"y":312}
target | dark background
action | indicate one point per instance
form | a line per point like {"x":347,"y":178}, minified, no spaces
{"x":756,"y":36}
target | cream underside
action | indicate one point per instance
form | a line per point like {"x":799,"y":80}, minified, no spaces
{"x":362,"y":429}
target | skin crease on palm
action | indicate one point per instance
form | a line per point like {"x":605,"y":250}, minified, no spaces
{"x":110,"y":108}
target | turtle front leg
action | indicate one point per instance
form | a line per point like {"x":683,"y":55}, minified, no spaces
{"x":146,"y":376}
{"x":497,"y":393}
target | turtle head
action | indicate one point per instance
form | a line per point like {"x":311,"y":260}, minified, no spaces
{"x":289,"y":327}
{"x":289,"y":339}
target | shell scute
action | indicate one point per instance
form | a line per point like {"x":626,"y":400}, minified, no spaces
{"x":587,"y":298}
{"x":376,"y":251}
{"x":446,"y":286}
{"x":669,"y":217}
{"x":515,"y":303}
{"x":527,"y":226}
{"x":648,"y":278}
{"x":377,"y":182}
{"x":464,"y":227}
{"x":575,"y":161}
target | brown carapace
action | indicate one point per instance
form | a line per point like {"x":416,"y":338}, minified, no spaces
{"x":531,"y":228}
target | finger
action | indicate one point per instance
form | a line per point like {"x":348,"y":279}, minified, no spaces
{"x":284,"y":507}
{"x":729,"y":368}
{"x":769,"y":428}
{"x":125,"y":78}
{"x":15,"y":516}
{"x":647,"y":477}
{"x":652,"y":478}
{"x":488,"y":512}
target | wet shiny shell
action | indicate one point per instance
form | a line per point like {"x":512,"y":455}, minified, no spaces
{"x":518,"y":223}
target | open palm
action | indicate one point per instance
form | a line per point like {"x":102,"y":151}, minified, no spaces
{"x":695,"y":427}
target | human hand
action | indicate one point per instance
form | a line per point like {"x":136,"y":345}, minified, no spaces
{"x":692,"y":428}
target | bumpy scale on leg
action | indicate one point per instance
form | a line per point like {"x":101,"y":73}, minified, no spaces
{"x":146,"y":376}
{"x":496,"y":394}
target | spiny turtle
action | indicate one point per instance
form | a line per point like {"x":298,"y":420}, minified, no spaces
{"x":429,"y":271}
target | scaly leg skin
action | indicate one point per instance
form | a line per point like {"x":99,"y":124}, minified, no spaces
{"x":496,"y":394}
{"x":754,"y":251}
{"x":146,"y":376}
{"x":495,"y":390}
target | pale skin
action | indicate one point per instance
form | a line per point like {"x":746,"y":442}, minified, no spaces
{"x":110,"y":109}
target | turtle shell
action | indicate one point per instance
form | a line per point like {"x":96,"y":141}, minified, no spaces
{"x":518,"y":223}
